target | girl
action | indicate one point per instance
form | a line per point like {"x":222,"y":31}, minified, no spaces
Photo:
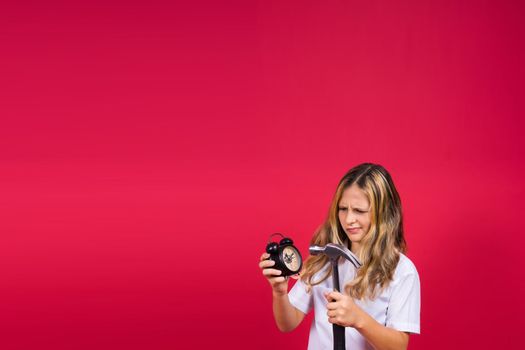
{"x":381,"y":301}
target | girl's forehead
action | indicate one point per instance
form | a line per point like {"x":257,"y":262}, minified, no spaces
{"x":354,"y":194}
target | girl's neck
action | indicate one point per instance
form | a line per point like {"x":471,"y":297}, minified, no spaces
{"x":354,"y":248}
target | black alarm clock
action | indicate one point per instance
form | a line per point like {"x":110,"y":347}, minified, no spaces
{"x":286,"y":256}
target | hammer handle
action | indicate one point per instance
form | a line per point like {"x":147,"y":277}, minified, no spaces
{"x":339,"y":331}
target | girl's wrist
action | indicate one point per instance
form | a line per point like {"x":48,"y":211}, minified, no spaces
{"x":363,"y":321}
{"x":279,"y":294}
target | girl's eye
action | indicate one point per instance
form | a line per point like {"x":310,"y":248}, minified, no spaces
{"x":341,"y":208}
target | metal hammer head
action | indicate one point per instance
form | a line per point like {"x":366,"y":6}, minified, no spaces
{"x":334,"y":251}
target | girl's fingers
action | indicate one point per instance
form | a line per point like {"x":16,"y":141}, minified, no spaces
{"x":273,"y":275}
{"x":271,"y":272}
{"x":277,"y":279}
{"x":333,"y":296}
{"x":331,"y":306}
{"x":266,"y":263}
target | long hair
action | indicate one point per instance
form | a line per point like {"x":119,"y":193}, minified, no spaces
{"x":380,"y":246}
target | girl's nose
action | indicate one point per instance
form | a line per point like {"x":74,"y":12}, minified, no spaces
{"x":350,"y":218}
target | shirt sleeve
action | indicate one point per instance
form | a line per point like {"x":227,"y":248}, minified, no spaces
{"x":299,"y":298}
{"x":404,"y":306}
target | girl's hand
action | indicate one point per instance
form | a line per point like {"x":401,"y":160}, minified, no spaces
{"x":279,"y":283}
{"x":342,"y":310}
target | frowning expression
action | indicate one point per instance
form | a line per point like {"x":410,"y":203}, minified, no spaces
{"x":354,"y":214}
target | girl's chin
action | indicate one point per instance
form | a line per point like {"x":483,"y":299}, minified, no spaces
{"x":354,"y":237}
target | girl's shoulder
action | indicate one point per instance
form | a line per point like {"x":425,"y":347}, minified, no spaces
{"x":405,"y":267}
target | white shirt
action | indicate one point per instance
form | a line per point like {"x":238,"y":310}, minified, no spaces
{"x":396,"y":307}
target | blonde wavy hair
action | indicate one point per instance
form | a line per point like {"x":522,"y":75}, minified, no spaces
{"x":380,"y":246}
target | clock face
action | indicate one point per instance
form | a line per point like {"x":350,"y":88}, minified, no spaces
{"x":291,"y":259}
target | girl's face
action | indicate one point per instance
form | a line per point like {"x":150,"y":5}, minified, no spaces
{"x":354,"y":215}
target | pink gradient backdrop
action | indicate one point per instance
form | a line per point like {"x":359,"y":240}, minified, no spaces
{"x":147,"y":150}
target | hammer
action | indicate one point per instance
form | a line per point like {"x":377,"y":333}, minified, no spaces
{"x":333,"y":252}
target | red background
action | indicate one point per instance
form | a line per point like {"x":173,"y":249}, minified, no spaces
{"x":148,"y":149}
